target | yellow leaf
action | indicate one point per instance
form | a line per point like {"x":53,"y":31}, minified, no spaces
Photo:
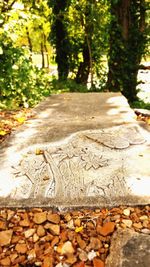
{"x":38,"y":151}
{"x":21,"y":119}
{"x":148,"y":121}
{"x":3,"y":132}
{"x":79,"y":229}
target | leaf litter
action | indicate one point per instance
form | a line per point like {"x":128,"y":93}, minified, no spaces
{"x":10,"y":120}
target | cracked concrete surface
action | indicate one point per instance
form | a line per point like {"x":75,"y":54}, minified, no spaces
{"x":80,"y":150}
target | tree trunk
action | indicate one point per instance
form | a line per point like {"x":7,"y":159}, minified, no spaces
{"x":119,"y":29}
{"x":61,"y":39}
{"x":84,"y":67}
{"x":46,"y":50}
{"x":126,"y":46}
{"x":42,"y":54}
{"x":29,"y":43}
{"x":90,"y":59}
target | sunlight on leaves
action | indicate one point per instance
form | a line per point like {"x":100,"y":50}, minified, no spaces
{"x":2,"y":132}
{"x":1,"y":51}
{"x":21,"y":119}
{"x":79,"y":229}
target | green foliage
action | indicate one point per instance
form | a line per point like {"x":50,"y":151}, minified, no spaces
{"x":140,"y":104}
{"x":127,"y":46}
{"x":88,"y":33}
{"x":79,"y":31}
{"x":71,"y":86}
{"x":67,"y":86}
{"x":79,"y":34}
{"x":21,"y":84}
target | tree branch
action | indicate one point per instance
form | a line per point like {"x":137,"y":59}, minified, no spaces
{"x":10,"y":6}
{"x":6,"y":6}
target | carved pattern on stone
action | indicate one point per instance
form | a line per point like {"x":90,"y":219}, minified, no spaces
{"x":90,"y":160}
{"x":91,"y":164}
{"x":119,"y":139}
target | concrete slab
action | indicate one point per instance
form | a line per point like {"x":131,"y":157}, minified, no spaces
{"x":129,"y":249}
{"x":81,"y":150}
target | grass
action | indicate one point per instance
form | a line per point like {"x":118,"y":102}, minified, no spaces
{"x":140,"y":104}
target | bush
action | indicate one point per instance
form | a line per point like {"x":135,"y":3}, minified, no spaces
{"x":67,"y":86}
{"x":140,"y":104}
{"x":21,"y":84}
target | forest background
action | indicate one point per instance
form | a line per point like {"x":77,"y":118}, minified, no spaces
{"x":53,"y":46}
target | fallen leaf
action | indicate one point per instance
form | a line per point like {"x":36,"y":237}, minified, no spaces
{"x":38,"y":151}
{"x":2,"y":132}
{"x":9,"y":120}
{"x":21,"y":119}
{"x":79,"y":229}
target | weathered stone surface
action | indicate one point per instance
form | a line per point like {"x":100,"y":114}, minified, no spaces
{"x":129,"y":249}
{"x":48,"y":261}
{"x":24,"y":223}
{"x":126,"y":212}
{"x":137,"y":225}
{"x":83,"y":255}
{"x":5,"y":237}
{"x":54,"y":218}
{"x":94,"y":244}
{"x":144,"y":218}
{"x":94,"y":166}
{"x":31,"y":254}
{"x":55,"y":241}
{"x":21,"y":248}
{"x":98,"y":262}
{"x":29,"y":233}
{"x":91,"y":255}
{"x":127,"y":222}
{"x":5,"y":262}
{"x":67,"y":248}
{"x":71,"y":259}
{"x":2,"y":225}
{"x":35,"y":238}
{"x":81,"y":242}
{"x":107,"y":229}
{"x":53,"y":228}
{"x":79,"y":264}
{"x":39,"y":217}
{"x":40,"y":231}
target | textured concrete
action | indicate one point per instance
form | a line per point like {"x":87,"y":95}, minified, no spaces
{"x":79,"y":150}
{"x":129,"y":249}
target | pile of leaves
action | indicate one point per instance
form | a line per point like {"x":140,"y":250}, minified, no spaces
{"x":9,"y":120}
{"x":143,"y":115}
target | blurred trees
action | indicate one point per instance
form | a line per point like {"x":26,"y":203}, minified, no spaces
{"x":98,"y":44}
{"x":59,"y":36}
{"x":127,"y":44}
{"x":21,"y":83}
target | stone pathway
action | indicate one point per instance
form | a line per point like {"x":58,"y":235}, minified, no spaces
{"x":80,"y":150}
